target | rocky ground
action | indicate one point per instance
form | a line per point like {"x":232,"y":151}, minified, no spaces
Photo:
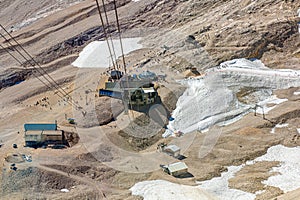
{"x":176,"y":35}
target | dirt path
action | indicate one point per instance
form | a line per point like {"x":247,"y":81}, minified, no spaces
{"x":99,"y":187}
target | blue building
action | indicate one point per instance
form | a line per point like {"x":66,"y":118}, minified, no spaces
{"x":38,"y":127}
{"x":37,"y":135}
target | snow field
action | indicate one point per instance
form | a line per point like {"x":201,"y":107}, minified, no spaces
{"x":288,"y":179}
{"x":96,"y":54}
{"x":209,"y":99}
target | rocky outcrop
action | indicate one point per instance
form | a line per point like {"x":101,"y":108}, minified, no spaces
{"x":107,"y":109}
{"x":13,"y":76}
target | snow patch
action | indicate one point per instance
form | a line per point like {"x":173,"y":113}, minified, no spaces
{"x":233,"y":120}
{"x":211,"y":99}
{"x":167,"y":133}
{"x":259,"y":192}
{"x":278,"y":126}
{"x":281,"y":125}
{"x":211,"y":104}
{"x":263,"y":105}
{"x":250,"y":162}
{"x":164,"y":190}
{"x":243,"y":63}
{"x":219,"y":186}
{"x":296,"y":93}
{"x":288,"y":178}
{"x":205,"y":130}
{"x":96,"y":54}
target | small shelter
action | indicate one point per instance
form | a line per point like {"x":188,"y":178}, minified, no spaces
{"x":176,"y":169}
{"x":172,"y":150}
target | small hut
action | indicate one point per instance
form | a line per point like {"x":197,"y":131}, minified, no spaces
{"x":176,"y":169}
{"x":172,"y":150}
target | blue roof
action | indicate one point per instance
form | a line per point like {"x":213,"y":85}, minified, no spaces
{"x":39,"y":127}
{"x":147,"y":75}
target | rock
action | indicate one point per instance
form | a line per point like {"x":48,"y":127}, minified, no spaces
{"x":12,"y":76}
{"x":107,"y":109}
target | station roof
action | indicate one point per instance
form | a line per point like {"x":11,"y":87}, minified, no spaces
{"x":177,"y":167}
{"x":172,"y":147}
{"x":33,"y":132}
{"x":148,"y":90}
{"x":57,"y":132}
{"x":39,"y":127}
